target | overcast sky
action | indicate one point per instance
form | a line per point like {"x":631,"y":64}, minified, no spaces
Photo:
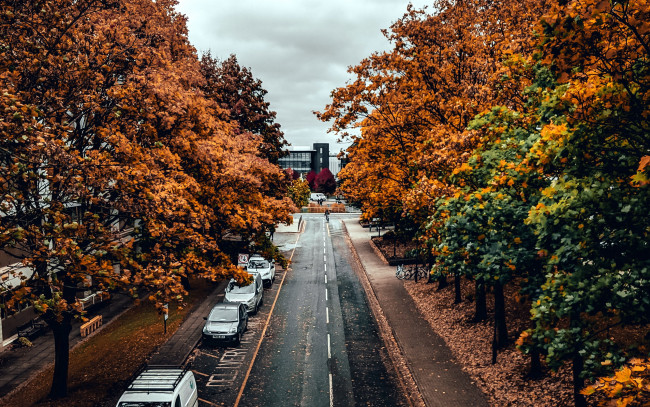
{"x":300,"y":49}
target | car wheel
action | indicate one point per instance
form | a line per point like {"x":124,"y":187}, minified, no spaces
{"x":238,"y":340}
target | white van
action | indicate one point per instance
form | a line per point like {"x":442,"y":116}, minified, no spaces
{"x":161,"y":386}
{"x":251,"y":295}
{"x":315,"y":196}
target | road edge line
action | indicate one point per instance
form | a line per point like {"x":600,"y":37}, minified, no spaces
{"x":266,"y":325}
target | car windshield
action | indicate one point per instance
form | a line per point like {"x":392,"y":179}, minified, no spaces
{"x":223,"y":315}
{"x":235,"y":289}
{"x":145,"y":404}
{"x":258,"y":264}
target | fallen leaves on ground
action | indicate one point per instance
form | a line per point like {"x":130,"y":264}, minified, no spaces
{"x":504,"y":383}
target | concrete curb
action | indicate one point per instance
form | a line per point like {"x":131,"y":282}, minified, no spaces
{"x":378,"y":252}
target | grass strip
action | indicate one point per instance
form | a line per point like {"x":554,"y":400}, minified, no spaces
{"x":100,"y":365}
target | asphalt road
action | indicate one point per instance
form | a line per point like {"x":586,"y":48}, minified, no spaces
{"x":322,"y":347}
{"x":320,"y":344}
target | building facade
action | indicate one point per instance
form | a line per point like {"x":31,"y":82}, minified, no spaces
{"x":303,"y":159}
{"x":300,"y":159}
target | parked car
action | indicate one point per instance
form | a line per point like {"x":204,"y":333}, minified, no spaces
{"x":266,"y":268}
{"x":250,"y":295}
{"x":317,"y":196}
{"x":226,"y":323}
{"x":161,"y":386}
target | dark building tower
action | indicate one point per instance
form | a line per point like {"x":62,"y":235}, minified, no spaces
{"x":322,"y":158}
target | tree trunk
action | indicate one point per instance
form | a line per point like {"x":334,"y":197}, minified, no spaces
{"x":480,"y":313}
{"x":578,"y":382}
{"x":458,"y":298}
{"x":535,"y":371}
{"x":61,"y":331}
{"x":442,"y":283}
{"x":578,"y":365}
{"x":394,"y":239}
{"x":500,"y":316}
{"x":430,"y":266}
{"x":61,"y":328}
{"x":186,"y":283}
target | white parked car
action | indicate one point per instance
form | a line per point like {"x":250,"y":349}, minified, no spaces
{"x":265,"y":268}
{"x":315,"y":196}
{"x":250,"y":295}
{"x":161,"y":386}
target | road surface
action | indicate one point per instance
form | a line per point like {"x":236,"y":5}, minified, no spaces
{"x":321,"y":345}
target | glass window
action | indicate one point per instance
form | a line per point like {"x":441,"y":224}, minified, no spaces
{"x":235,"y":289}
{"x":223,"y":315}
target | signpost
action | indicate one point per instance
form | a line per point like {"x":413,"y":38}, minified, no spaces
{"x":242,"y":260}
{"x":166,"y":315}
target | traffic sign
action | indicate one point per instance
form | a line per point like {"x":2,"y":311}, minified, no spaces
{"x":242,"y":259}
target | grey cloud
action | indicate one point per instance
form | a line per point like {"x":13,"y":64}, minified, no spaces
{"x":300,"y":49}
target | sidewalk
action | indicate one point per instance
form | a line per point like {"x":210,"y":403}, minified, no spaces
{"x":439,"y":378}
{"x":17,"y":366}
{"x":177,"y":348}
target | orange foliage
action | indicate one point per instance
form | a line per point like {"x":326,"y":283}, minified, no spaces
{"x":410,"y":106}
{"x":115,"y":169}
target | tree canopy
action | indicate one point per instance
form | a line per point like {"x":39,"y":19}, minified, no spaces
{"x":117,"y":170}
{"x":514,"y":135}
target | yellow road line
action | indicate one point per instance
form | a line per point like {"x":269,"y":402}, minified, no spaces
{"x":266,"y":325}
{"x":211,"y":355}
{"x":208,"y":402}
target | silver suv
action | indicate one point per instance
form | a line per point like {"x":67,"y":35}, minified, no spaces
{"x":250,"y":295}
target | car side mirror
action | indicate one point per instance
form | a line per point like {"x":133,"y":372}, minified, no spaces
{"x":205,"y":318}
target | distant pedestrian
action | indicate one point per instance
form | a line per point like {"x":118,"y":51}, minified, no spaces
{"x":327,"y":215}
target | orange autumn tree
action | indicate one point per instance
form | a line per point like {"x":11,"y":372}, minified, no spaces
{"x":250,"y":157}
{"x":241,"y":96}
{"x":592,"y":221}
{"x":108,"y":159}
{"x":411,"y":105}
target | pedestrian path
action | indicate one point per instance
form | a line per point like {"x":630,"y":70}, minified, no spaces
{"x":440,"y":380}
{"x":178,"y":347}
{"x":18,"y":365}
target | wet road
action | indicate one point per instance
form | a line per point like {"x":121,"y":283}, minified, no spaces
{"x":322,"y":347}
{"x":318,"y":347}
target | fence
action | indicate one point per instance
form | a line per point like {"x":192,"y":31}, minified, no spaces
{"x":91,"y":326}
{"x":95,"y":298}
{"x":334,"y":208}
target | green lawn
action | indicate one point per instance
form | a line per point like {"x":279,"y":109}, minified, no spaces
{"x":100,"y":365}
